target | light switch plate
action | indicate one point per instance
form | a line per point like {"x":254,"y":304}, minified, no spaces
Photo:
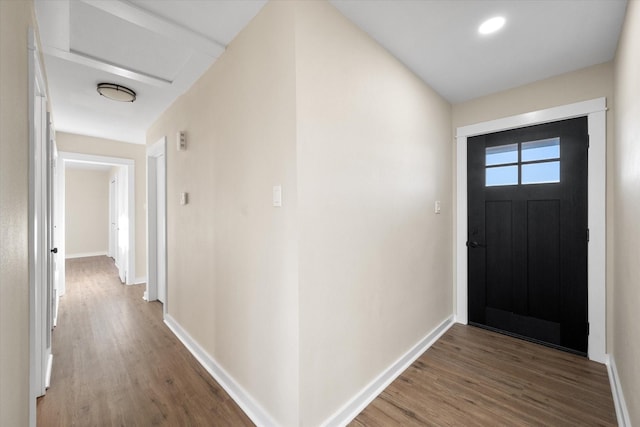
{"x":436,"y":207}
{"x":184,"y":198}
{"x":277,"y":196}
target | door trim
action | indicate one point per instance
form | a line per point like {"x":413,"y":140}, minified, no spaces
{"x":129,"y":164}
{"x":40,"y":355}
{"x":595,"y":110}
{"x":154,"y":151}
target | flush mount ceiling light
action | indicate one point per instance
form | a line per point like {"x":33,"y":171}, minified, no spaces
{"x":116,"y":92}
{"x":491,"y":25}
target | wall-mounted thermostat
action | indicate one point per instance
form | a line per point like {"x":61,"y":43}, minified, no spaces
{"x":182,"y":141}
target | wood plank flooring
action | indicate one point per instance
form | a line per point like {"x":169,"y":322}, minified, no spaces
{"x":474,"y":377}
{"x":117,"y":364}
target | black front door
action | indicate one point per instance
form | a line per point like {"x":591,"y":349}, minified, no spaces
{"x":527,"y":242}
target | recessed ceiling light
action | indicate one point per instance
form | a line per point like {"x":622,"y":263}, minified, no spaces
{"x":116,"y":92}
{"x":491,"y":25}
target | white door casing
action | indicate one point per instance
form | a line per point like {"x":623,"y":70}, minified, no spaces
{"x":595,"y":110}
{"x":161,"y":224}
{"x":156,"y":223}
{"x":112,"y":218}
{"x":40,"y":277}
{"x":126,"y":187}
{"x":122,"y":225}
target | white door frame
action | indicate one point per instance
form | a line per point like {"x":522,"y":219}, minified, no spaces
{"x":116,"y":161}
{"x":595,"y":110}
{"x":122,"y":209}
{"x":155,"y":240}
{"x":112,"y":218}
{"x":40,"y":357}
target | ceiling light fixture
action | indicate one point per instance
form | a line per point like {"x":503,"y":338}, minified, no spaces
{"x":491,"y":25}
{"x":116,"y":92}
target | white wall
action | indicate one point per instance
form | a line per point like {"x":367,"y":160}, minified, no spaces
{"x":86,"y":212}
{"x":626,"y":342}
{"x":15,"y":19}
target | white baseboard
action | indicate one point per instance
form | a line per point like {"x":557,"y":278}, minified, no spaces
{"x":139,"y":280}
{"x":84,"y":255}
{"x":622,"y":413}
{"x":360,"y":401}
{"x":254,"y":411}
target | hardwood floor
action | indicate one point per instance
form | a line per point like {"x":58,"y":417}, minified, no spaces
{"x":117,"y":364}
{"x":474,"y":377}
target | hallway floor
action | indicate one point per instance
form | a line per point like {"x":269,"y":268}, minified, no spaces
{"x":115,"y":363}
{"x":474,"y":377}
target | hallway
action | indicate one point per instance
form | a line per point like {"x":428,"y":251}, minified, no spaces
{"x":116,"y":363}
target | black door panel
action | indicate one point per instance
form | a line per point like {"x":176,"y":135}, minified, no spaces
{"x":527,"y":245}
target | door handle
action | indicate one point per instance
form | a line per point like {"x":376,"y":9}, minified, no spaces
{"x":474,"y":244}
{"x":54,"y":250}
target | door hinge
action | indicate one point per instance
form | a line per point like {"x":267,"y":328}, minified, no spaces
{"x":588,"y":237}
{"x":588,"y":141}
{"x":588,"y":328}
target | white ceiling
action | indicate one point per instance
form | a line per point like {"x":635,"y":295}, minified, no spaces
{"x":439,"y":41}
{"x":160,"y":48}
{"x":157,"y":48}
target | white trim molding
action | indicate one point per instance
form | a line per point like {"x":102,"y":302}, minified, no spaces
{"x":85,"y":255}
{"x":131,"y":202}
{"x":364,"y":397}
{"x":247,"y":403}
{"x":38,"y":250}
{"x":140,"y":281}
{"x":156,"y":241}
{"x":595,"y":110}
{"x":622,"y":413}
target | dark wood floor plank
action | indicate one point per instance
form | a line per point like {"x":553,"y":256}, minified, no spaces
{"x":117,"y":364}
{"x":474,"y":377}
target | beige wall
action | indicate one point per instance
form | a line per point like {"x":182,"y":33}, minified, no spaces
{"x":105,"y":147}
{"x":375,"y":267}
{"x":15,"y":18}
{"x":626,"y":343}
{"x":581,"y":85}
{"x":86,"y":212}
{"x":232,"y":280}
{"x":305,"y":304}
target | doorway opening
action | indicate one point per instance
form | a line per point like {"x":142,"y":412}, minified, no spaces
{"x":121,"y":212}
{"x":595,"y":111}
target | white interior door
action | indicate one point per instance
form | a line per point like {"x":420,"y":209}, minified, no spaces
{"x":39,"y":244}
{"x":54,"y":256}
{"x":161,"y":228}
